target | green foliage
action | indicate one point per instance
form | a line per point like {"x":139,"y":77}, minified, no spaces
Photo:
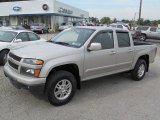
{"x":147,"y":22}
{"x":126,"y":21}
{"x":94,"y":20}
{"x":105,"y":20}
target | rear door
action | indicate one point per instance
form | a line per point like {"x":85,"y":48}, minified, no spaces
{"x":158,"y":33}
{"x":125,"y":51}
{"x":153,"y":34}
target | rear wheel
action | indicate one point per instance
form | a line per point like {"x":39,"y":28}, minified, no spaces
{"x":143,"y":37}
{"x":3,"y":57}
{"x":61,"y":88}
{"x":139,"y":71}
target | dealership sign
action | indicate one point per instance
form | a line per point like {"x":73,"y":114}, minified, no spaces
{"x":45,"y":7}
{"x":64,"y":11}
{"x":17,"y":8}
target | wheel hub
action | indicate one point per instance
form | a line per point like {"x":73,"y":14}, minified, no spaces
{"x":63,"y":89}
{"x":141,"y":70}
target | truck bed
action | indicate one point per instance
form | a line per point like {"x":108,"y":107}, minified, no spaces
{"x":138,"y":43}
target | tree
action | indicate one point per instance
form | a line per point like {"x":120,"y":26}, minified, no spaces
{"x":105,"y":20}
{"x":141,"y":21}
{"x":94,"y":20}
{"x":114,"y":20}
{"x":147,"y":22}
{"x":154,"y":23}
{"x":125,"y":21}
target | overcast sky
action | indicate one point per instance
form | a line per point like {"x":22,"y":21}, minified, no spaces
{"x":120,"y":9}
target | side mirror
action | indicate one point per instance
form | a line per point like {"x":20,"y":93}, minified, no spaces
{"x":95,"y":47}
{"x":17,"y":40}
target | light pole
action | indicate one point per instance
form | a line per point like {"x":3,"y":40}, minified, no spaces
{"x":140,"y":11}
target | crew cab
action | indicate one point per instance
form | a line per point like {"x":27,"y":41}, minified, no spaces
{"x":76,"y":55}
{"x":11,"y":39}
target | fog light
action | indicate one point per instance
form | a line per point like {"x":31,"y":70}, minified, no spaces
{"x":30,"y":72}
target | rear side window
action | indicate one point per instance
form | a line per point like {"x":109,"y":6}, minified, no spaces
{"x":119,"y":26}
{"x":105,"y":39}
{"x":143,"y":28}
{"x":153,"y":29}
{"x":123,"y":39}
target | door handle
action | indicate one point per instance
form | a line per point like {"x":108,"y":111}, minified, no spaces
{"x":113,"y":52}
{"x":130,"y":50}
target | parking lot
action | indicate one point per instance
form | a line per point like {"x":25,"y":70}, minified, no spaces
{"x":116,"y":97}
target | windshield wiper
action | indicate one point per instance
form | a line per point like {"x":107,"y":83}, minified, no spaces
{"x":2,"y":41}
{"x":61,"y":43}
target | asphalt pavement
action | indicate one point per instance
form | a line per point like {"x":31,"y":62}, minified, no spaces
{"x":116,"y":97}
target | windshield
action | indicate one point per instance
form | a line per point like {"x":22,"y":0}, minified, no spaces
{"x":74,"y":37}
{"x":7,"y":36}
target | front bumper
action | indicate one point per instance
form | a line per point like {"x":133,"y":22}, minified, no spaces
{"x":21,"y":79}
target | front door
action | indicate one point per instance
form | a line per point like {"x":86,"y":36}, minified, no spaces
{"x":99,"y":63}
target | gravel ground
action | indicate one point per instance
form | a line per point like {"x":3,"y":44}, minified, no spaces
{"x":115,"y":97}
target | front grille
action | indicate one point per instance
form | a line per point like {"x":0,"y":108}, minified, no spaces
{"x":15,"y":57}
{"x":13,"y":65}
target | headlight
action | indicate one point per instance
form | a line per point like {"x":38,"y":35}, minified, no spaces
{"x":33,"y":61}
{"x":30,"y":72}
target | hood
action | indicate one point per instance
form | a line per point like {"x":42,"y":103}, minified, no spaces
{"x":45,"y":51}
{"x":3,"y":45}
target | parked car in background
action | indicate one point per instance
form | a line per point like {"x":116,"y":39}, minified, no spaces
{"x":64,"y":26}
{"x":75,"y":55}
{"x":121,"y":26}
{"x":11,"y":39}
{"x":17,"y":27}
{"x":148,"y":32}
{"x":39,"y":28}
{"x":5,"y":28}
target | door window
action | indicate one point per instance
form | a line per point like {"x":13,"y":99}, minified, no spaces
{"x":153,"y":29}
{"x":123,"y":39}
{"x":23,"y":36}
{"x":105,"y":39}
{"x":119,"y":26}
{"x":33,"y":37}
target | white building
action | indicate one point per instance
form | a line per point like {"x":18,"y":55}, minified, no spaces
{"x":50,"y":12}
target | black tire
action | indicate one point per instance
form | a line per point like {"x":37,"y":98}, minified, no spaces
{"x":3,"y":57}
{"x":55,"y":79}
{"x":135,"y":73}
{"x":142,"y":37}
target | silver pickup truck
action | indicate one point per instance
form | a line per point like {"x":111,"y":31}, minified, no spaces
{"x":75,"y":55}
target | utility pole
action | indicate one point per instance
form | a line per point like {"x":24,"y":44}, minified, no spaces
{"x":140,"y":11}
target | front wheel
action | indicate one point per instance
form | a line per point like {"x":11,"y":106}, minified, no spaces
{"x":140,"y":70}
{"x":61,"y":88}
{"x":3,"y":57}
